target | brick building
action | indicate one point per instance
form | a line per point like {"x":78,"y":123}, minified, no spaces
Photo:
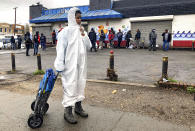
{"x":8,"y":29}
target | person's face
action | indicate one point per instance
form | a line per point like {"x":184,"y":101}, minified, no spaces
{"x":78,"y":18}
{"x":166,"y":31}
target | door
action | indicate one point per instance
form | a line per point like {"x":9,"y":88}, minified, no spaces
{"x":146,"y":27}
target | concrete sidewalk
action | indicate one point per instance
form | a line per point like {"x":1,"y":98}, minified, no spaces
{"x":15,"y":109}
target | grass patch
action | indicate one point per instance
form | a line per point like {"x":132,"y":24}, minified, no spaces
{"x":172,"y":80}
{"x":191,"y":89}
{"x":39,"y":72}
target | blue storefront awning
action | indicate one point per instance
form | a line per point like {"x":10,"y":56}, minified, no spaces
{"x":55,"y":15}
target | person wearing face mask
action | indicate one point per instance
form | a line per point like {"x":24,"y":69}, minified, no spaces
{"x":71,"y":62}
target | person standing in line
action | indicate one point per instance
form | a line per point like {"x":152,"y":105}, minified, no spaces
{"x":19,"y":41}
{"x":13,"y":44}
{"x":54,"y":37}
{"x":92,"y":37}
{"x":120,"y":37}
{"x":102,"y":39}
{"x":36,"y":43}
{"x":127,"y":38}
{"x":137,"y":38}
{"x":111,"y":38}
{"x":166,"y":40}
{"x":28,"y":43}
{"x":43,"y":41}
{"x":71,"y":63}
{"x":152,"y":39}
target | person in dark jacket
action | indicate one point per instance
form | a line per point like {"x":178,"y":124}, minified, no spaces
{"x":102,"y":39}
{"x":127,"y":38}
{"x":28,"y":43}
{"x":92,"y":37}
{"x":13,"y":44}
{"x":120,"y":37}
{"x":36,"y":42}
{"x":166,"y":40}
{"x":152,"y":39}
{"x":137,"y":38}
{"x":43,"y":41}
{"x":19,"y":41}
{"x":54,"y":37}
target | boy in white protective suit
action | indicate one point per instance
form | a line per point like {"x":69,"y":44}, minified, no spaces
{"x":71,"y":62}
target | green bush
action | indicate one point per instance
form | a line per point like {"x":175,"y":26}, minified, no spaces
{"x":38,"y":72}
{"x":172,"y":80}
{"x":191,"y":89}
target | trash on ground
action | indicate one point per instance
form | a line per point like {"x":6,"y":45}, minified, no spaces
{"x":114,"y":91}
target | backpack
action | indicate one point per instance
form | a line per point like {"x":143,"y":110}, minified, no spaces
{"x":48,"y":81}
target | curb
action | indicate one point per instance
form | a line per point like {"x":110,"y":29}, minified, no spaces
{"x":120,"y":83}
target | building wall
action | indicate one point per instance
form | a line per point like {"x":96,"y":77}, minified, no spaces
{"x":8,"y":29}
{"x":184,"y":23}
{"x":100,"y":4}
{"x":145,"y":28}
{"x":140,"y":8}
{"x":106,"y":24}
{"x":46,"y":29}
{"x":35,"y":11}
{"x":19,"y":29}
{"x":5,"y":29}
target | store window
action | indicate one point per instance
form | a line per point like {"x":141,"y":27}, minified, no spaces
{"x":5,"y":29}
{"x":0,"y":29}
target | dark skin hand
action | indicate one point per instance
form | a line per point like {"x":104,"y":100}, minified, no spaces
{"x":78,"y":20}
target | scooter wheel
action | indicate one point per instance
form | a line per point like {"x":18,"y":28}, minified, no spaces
{"x":33,"y":105}
{"x":35,"y":121}
{"x":45,"y":108}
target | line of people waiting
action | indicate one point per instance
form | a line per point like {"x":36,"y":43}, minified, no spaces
{"x":37,"y":40}
{"x":130,"y":43}
{"x":16,"y":45}
{"x":111,"y":36}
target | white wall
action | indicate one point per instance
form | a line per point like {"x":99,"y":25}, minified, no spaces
{"x":183,"y":23}
{"x":115,"y":23}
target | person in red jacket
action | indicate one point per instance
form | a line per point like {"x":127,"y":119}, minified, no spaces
{"x":111,"y":38}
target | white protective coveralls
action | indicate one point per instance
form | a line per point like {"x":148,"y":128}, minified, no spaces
{"x":72,"y":60}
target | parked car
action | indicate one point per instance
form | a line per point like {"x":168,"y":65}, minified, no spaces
{"x":1,"y":44}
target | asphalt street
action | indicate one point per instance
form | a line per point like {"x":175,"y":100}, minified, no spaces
{"x":137,"y":66}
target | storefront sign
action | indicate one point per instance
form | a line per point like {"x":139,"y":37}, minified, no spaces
{"x":184,"y":36}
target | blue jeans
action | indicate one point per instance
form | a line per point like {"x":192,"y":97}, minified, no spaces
{"x":13,"y":46}
{"x":43,"y":45}
{"x":165,"y":45}
{"x":36,"y":46}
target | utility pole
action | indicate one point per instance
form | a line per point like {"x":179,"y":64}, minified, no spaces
{"x":15,"y":21}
